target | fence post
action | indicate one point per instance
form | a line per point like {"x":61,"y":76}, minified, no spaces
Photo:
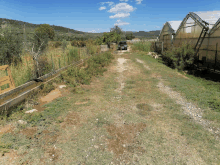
{"x":7,"y":75}
{"x":64,"y":60}
{"x":52,"y":62}
{"x":216,"y":53}
{"x":59,"y":63}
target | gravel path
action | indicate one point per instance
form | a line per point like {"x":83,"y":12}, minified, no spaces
{"x":189,"y":108}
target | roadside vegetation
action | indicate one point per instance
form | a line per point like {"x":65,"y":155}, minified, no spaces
{"x":198,"y":90}
{"x":119,"y":117}
{"x":40,"y":54}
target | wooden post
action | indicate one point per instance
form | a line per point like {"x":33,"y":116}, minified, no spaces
{"x":216,"y":53}
{"x":52,"y":62}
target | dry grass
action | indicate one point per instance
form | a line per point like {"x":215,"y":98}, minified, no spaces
{"x":99,"y":125}
{"x":24,"y":71}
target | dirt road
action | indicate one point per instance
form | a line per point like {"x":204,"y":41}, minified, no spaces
{"x":126,"y":116}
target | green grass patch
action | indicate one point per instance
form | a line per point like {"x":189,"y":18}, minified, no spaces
{"x":142,"y":46}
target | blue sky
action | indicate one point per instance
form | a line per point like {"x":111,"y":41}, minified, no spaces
{"x":100,"y":16}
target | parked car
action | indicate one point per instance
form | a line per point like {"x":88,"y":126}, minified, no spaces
{"x":122,"y":45}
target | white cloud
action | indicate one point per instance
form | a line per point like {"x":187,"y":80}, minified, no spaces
{"x":102,"y":8}
{"x":139,"y":1}
{"x":93,"y":31}
{"x":109,"y":3}
{"x":124,"y":0}
{"x":121,"y":7}
{"x":120,"y":15}
{"x":121,"y":23}
{"x":157,"y":27}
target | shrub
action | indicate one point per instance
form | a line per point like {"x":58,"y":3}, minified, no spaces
{"x":129,"y":36}
{"x":153,"y":47}
{"x":91,"y":47}
{"x":182,"y":57}
{"x":57,"y":44}
{"x":142,"y":46}
{"x":46,"y":29}
{"x":10,"y":46}
{"x":42,"y":34}
{"x":64,"y":44}
{"x":95,"y":66}
{"x":78,"y":43}
{"x":73,"y":54}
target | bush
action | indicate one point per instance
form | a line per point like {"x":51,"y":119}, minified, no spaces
{"x":95,"y":66}
{"x":91,"y":47}
{"x":141,"y":46}
{"x":64,"y":44}
{"x":78,"y":43}
{"x":153,"y":47}
{"x":182,"y":57}
{"x":57,"y":44}
{"x":42,"y":34}
{"x":10,"y":46}
{"x":73,"y":54}
{"x":129,"y":36}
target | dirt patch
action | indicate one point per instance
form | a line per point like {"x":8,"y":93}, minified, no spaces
{"x":143,"y":109}
{"x":6,"y":129}
{"x":53,"y":153}
{"x":142,"y":62}
{"x":123,"y":137}
{"x":29,"y":132}
{"x":179,"y":74}
{"x":72,"y":118}
{"x":51,"y":96}
{"x":156,"y":75}
{"x":80,"y":103}
{"x":120,"y":66}
{"x":9,"y":157}
{"x":48,"y":137}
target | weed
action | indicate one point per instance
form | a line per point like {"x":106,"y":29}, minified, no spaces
{"x":57,"y":44}
{"x":142,"y":46}
{"x":182,"y":57}
{"x":47,"y":88}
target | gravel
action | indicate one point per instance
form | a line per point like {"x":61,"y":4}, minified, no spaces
{"x":189,"y":109}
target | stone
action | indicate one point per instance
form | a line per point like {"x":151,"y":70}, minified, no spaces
{"x":31,"y":111}
{"x":62,"y":86}
{"x":22,"y":122}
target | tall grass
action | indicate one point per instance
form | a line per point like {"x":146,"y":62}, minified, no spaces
{"x":24,"y":71}
{"x":142,"y":46}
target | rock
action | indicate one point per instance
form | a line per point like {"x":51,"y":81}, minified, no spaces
{"x":22,"y":122}
{"x":31,"y":111}
{"x":62,"y":86}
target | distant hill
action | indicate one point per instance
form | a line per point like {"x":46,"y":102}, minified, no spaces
{"x":150,"y":34}
{"x":29,"y":28}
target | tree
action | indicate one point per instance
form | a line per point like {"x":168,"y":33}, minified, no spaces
{"x":42,"y":34}
{"x":45,"y":29}
{"x":130,"y":36}
{"x":117,"y":29}
{"x":10,"y":46}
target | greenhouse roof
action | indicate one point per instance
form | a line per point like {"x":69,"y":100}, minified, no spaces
{"x":209,"y":16}
{"x":174,"y":24}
